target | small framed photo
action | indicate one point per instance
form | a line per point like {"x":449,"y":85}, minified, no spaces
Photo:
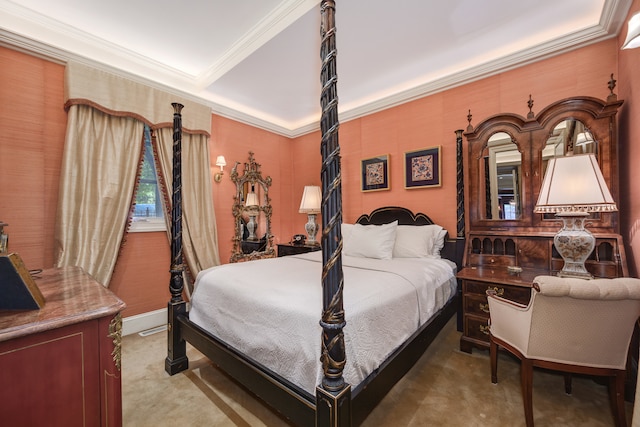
{"x":423,"y":168}
{"x":375,"y":173}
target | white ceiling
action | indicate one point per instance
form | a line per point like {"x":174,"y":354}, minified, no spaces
{"x":258,"y":61}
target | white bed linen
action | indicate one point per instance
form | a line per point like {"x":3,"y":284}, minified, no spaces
{"x":270,"y":310}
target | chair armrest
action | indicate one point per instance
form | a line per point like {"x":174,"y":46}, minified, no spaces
{"x":510,"y":321}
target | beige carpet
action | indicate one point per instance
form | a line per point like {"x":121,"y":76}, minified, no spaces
{"x":445,"y":388}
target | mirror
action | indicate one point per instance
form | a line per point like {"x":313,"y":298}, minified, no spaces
{"x":569,"y":135}
{"x":252,"y":213}
{"x":501,"y":170}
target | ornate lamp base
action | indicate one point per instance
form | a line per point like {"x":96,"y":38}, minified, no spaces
{"x":312,"y":229}
{"x":574,"y":243}
{"x":252,"y":226}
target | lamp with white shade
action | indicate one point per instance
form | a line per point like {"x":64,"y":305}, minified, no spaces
{"x":633,"y":33}
{"x":221,"y":163}
{"x":310,"y":204}
{"x":252,"y":210}
{"x":572,"y":188}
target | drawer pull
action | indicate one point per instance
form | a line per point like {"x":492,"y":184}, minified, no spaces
{"x":484,"y":307}
{"x":485,"y":329}
{"x":499,"y":291}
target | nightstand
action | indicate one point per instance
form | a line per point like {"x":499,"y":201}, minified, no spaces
{"x":291,"y":249}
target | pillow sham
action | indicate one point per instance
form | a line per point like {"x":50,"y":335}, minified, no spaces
{"x":419,"y":241}
{"x":438,"y":243}
{"x":370,"y":241}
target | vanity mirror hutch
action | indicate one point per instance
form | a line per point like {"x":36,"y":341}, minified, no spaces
{"x":507,"y":158}
{"x":252,"y":213}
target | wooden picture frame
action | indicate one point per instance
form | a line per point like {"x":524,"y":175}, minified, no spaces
{"x":423,"y":168}
{"x":374,"y":173}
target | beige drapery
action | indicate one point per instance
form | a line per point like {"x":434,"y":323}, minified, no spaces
{"x":97,"y":180}
{"x":199,"y":234}
{"x":94,"y":244}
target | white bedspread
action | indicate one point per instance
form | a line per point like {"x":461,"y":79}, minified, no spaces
{"x":269,"y":310}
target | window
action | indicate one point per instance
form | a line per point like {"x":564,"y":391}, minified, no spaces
{"x":148,"y":213}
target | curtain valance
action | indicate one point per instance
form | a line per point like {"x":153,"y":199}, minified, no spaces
{"x":120,"y":96}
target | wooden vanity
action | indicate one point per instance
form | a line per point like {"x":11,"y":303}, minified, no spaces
{"x":507,"y":157}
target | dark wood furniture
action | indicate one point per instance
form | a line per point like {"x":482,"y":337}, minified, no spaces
{"x":285,"y":249}
{"x":497,"y":239}
{"x":335,"y":403}
{"x":61,"y":364}
{"x":298,"y":406}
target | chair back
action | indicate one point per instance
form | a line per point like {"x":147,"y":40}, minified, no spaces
{"x":583,"y":322}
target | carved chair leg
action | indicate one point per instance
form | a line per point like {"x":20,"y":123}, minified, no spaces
{"x":493,"y":355}
{"x":526,"y":383}
{"x":567,"y":382}
{"x":616,"y":398}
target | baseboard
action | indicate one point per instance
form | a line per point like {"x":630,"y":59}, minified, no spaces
{"x":143,"y":321}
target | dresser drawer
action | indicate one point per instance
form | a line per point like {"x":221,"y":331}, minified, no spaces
{"x":476,"y":328}
{"x":475,"y":304}
{"x":518,"y":294}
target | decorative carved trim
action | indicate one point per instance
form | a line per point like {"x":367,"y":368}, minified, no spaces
{"x":115,"y":333}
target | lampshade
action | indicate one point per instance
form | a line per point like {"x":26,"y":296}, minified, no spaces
{"x":252,"y":199}
{"x":583,"y":138}
{"x":311,"y":199}
{"x":633,"y":33}
{"x":220,"y":161}
{"x":574,"y":184}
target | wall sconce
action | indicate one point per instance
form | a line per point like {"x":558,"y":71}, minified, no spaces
{"x":220,"y":161}
{"x":310,"y":204}
{"x":633,"y":33}
{"x":573,"y":187}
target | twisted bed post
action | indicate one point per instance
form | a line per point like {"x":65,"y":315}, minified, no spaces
{"x":333,"y":398}
{"x":176,"y":360}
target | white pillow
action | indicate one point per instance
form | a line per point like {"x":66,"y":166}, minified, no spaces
{"x":371,"y":241}
{"x":417,"y":241}
{"x":438,"y":243}
{"x":346,"y":230}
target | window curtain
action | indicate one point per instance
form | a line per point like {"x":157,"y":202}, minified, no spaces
{"x":199,"y":234}
{"x":98,"y":176}
{"x":107,"y":113}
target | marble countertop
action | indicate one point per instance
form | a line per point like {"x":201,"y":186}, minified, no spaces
{"x":71,"y":296}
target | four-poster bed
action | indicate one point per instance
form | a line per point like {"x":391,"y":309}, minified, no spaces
{"x":331,"y":400}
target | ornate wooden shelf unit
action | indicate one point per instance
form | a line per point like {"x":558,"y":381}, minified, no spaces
{"x":507,"y":159}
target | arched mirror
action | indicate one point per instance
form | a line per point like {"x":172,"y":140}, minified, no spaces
{"x":508,"y":155}
{"x":569,"y":135}
{"x":501,"y":172}
{"x":252,"y":213}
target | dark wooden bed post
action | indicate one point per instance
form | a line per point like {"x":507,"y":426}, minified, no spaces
{"x":176,"y":360}
{"x":460,"y":225}
{"x":333,"y":397}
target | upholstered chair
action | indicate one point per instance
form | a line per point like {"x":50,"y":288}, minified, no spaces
{"x":570,"y":325}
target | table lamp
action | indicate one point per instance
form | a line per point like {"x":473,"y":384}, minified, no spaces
{"x":310,"y":204}
{"x":572,"y":188}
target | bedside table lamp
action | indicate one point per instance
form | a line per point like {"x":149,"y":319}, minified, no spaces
{"x":252,"y":211}
{"x":310,"y":204}
{"x":573,"y":187}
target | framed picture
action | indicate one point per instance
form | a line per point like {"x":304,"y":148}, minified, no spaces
{"x":423,"y":168}
{"x":375,"y":173}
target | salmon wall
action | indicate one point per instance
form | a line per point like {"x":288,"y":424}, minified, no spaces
{"x":432,"y":121}
{"x":629,"y":204}
{"x":33,"y":126}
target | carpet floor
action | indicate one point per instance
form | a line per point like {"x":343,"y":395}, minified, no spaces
{"x":446,"y":387}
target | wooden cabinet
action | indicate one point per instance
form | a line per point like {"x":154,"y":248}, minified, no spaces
{"x":507,"y":159}
{"x":60,"y":365}
{"x":290,"y":249}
